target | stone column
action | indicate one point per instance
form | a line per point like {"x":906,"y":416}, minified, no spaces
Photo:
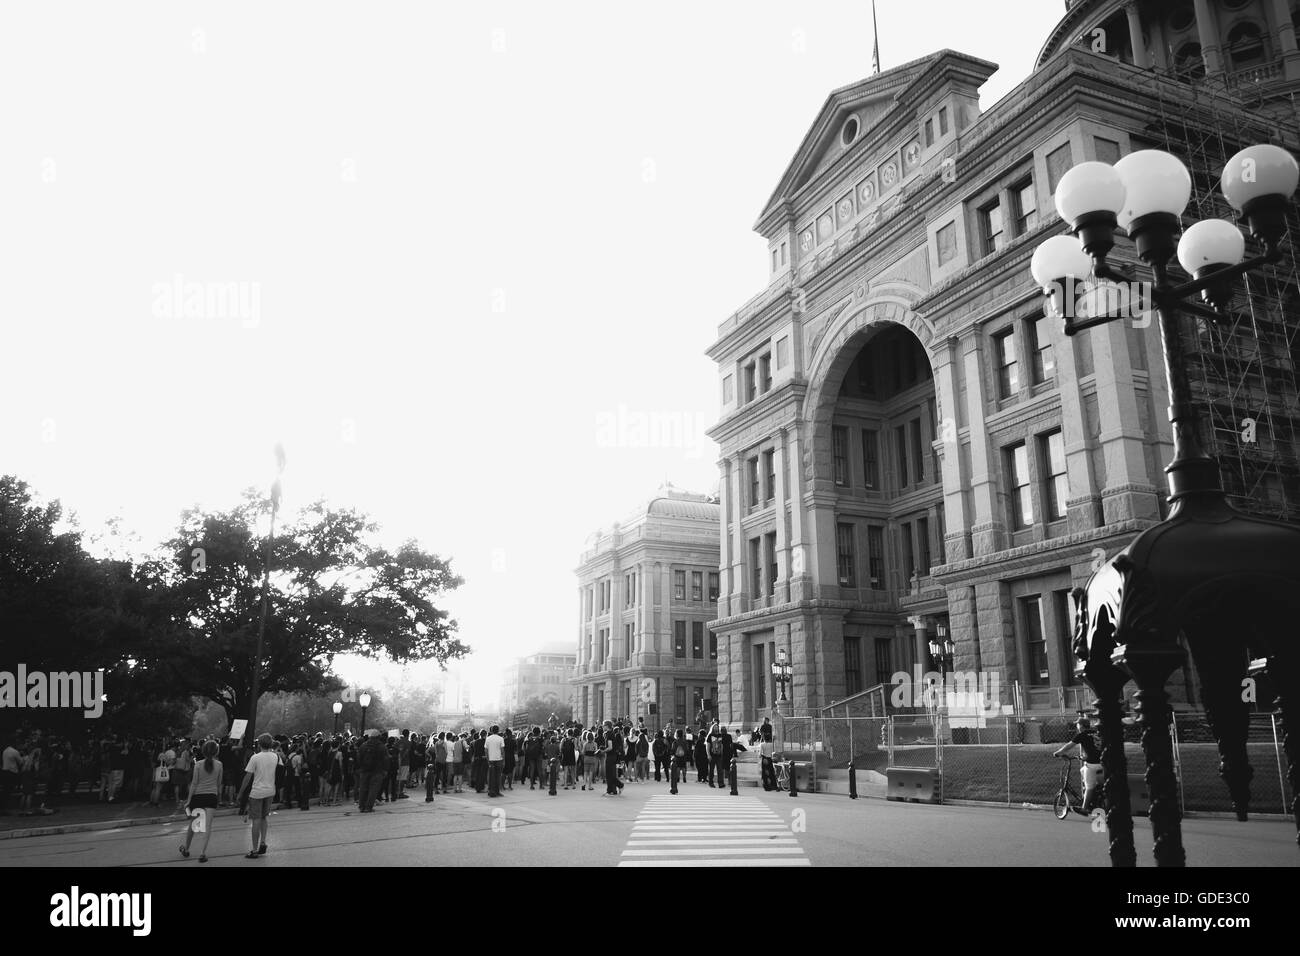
{"x":782,"y":543}
{"x":1083,"y":509}
{"x":664,"y":633}
{"x":988,"y":530}
{"x":798,"y":541}
{"x":957,"y":517}
{"x":597,"y":649}
{"x":1207,"y":30}
{"x":1140,"y":56}
{"x":922,"y":642}
{"x":1284,"y":37}
{"x":739,"y":581}
{"x":1128,"y":492}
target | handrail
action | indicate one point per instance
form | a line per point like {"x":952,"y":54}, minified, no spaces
{"x":877,"y":689}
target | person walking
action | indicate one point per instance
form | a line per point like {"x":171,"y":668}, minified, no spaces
{"x":589,"y":760}
{"x":205,"y":795}
{"x":681,"y":756}
{"x":613,"y":754}
{"x":717,"y":756}
{"x":642,"y":758}
{"x":495,"y":747}
{"x":569,"y":760}
{"x":701,"y":752}
{"x":256,"y":793}
{"x":659,"y":751}
{"x":372,"y":768}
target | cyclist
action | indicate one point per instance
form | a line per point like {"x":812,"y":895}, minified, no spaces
{"x":1090,"y":755}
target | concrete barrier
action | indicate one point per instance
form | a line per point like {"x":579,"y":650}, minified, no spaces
{"x":915,"y":784}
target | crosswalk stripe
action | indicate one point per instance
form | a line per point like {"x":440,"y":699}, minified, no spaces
{"x":712,"y":830}
{"x":750,"y":861}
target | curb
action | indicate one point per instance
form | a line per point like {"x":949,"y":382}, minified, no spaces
{"x":104,"y":825}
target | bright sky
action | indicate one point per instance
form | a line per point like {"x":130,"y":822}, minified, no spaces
{"x":467,"y":240}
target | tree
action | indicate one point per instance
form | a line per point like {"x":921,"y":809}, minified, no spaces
{"x":332,"y":592}
{"x":540,"y":709}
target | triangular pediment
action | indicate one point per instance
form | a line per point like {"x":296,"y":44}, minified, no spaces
{"x":869,"y":102}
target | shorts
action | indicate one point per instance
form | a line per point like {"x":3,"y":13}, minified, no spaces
{"x":203,"y":801}
{"x":1091,"y":775}
{"x":259,"y":808}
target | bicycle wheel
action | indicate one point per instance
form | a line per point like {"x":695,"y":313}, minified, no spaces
{"x":1062,"y":805}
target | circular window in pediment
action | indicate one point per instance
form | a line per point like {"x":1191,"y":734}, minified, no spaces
{"x":849,"y":131}
{"x":1183,"y":16}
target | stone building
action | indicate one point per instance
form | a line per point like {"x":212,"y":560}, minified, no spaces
{"x":907,"y":446}
{"x":647,"y":588}
{"x":543,"y":674}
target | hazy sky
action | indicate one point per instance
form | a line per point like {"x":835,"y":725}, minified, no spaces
{"x":464,"y":242}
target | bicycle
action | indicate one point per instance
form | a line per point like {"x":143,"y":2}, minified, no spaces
{"x":783,"y":768}
{"x":1068,"y":798}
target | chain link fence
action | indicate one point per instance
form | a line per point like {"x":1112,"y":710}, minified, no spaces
{"x":1008,"y":759}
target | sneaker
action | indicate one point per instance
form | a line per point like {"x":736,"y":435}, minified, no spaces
{"x":261,"y":850}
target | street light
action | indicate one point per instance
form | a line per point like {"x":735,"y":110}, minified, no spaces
{"x":338,"y":709}
{"x":364,"y":701}
{"x":782,"y":671}
{"x":941,"y":650}
{"x":1223,"y":582}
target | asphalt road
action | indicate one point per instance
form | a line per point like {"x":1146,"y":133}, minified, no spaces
{"x":648,"y":827}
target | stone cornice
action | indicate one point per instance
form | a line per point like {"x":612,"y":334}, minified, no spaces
{"x":1028,"y":559}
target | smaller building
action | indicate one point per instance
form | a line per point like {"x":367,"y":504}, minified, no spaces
{"x":647,"y":589}
{"x":543,"y":674}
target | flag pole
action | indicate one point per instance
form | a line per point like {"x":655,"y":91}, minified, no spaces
{"x":875,"y":41}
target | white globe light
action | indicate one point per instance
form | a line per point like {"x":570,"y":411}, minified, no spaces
{"x":1089,"y":188}
{"x":1059,"y":257}
{"x":364,"y":700}
{"x":1212,"y":242}
{"x":1154,"y":182}
{"x":1259,"y":171}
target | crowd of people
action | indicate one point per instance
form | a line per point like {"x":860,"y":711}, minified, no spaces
{"x":200,"y":776}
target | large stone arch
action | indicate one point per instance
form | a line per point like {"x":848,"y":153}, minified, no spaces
{"x":834,"y":353}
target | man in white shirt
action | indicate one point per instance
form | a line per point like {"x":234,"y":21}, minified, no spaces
{"x":496,"y":755}
{"x":10,"y":769}
{"x":259,"y":786}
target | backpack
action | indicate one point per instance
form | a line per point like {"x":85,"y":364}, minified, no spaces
{"x":642,"y":747}
{"x":680,"y":753}
{"x":715,"y":746}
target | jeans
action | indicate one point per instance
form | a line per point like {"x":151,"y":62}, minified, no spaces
{"x":570,"y":775}
{"x":368,"y":784}
{"x":495,"y":768}
{"x":661,"y":763}
{"x":434,"y":781}
{"x":480,"y":773}
{"x":717,"y":765}
{"x":643,"y":768}
{"x":769,"y":774}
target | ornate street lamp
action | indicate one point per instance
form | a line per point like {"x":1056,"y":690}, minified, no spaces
{"x":364,"y":701}
{"x":1226,"y":582}
{"x":782,"y":671}
{"x":338,"y":709}
{"x":941,"y":650}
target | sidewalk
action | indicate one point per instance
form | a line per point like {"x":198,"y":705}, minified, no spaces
{"x":74,"y":816}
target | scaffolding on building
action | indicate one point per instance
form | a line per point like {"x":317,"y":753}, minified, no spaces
{"x":1244,"y":367}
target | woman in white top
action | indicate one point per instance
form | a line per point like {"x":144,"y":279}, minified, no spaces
{"x":166,"y":760}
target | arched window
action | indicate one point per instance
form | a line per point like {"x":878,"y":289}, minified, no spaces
{"x":1182,"y":18}
{"x":1188,"y":62}
{"x":1246,"y":46}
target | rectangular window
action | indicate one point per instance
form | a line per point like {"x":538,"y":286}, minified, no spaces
{"x":728,"y":389}
{"x":750,"y":382}
{"x":713,"y":646}
{"x":852,"y":665}
{"x":923,"y":543}
{"x":1008,"y":366}
{"x":697,"y":640}
{"x":681,"y":704}
{"x":840,"y":454}
{"x":909,"y":554}
{"x":946,"y":242}
{"x":755,"y":566}
{"x":761,"y":677}
{"x":679,"y":585}
{"x":765,"y":372}
{"x":870,"y":458}
{"x":990,"y":223}
{"x":1058,"y":483}
{"x":713,"y":586}
{"x":769,"y":548}
{"x":900,"y":450}
{"x":929,"y":132}
{"x":1137,"y":346}
{"x":1107,"y":150}
{"x":1022,"y":508}
{"x":679,"y":640}
{"x":844,"y":554}
{"x":876,"y":556}
{"x":606,"y":641}
{"x":1040,"y":351}
{"x":918,"y":449}
{"x":1059,"y":162}
{"x":1065,"y":632}
{"x":884,"y":668}
{"x":1035,"y":646}
{"x":697,"y":585}
{"x":754,"y":499}
{"x":782,"y":352}
{"x":628,"y":646}
{"x":943,"y":120}
{"x":1024,"y":207}
{"x":935,"y":473}
{"x":769,"y":474}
